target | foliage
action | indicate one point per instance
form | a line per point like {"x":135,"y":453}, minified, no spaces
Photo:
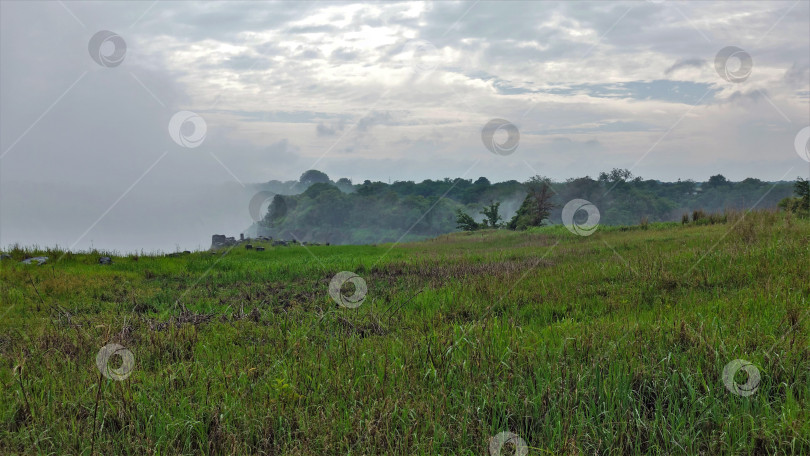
{"x":464,"y":222}
{"x":491,"y":217}
{"x":372,"y":212}
{"x":536,"y":207}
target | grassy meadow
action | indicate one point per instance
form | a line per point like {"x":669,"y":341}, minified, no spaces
{"x":609,"y":344}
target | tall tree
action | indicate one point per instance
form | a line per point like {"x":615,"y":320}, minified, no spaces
{"x":536,"y":206}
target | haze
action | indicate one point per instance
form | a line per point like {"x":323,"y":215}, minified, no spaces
{"x":380,"y":91}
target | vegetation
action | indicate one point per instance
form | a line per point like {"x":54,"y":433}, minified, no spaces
{"x":374,"y":212}
{"x":614,"y":343}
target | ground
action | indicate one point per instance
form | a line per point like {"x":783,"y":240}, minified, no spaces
{"x":615,"y":343}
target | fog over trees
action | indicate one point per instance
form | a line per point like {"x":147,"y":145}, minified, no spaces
{"x":319,"y":209}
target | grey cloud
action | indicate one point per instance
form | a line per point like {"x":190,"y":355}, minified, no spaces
{"x":685,"y":63}
{"x":373,"y":118}
{"x":332,"y":128}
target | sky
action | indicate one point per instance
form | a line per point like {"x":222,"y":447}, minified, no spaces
{"x":141,"y":125}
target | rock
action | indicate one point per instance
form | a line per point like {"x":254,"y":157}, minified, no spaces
{"x":105,"y":260}
{"x":327,"y":243}
{"x":35,"y":260}
{"x":260,"y":249}
{"x":219,"y":241}
{"x":280,"y":243}
{"x":187,"y":252}
{"x":248,"y":246}
{"x":5,"y":256}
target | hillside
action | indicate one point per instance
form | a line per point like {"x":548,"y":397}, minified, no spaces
{"x":615,"y":343}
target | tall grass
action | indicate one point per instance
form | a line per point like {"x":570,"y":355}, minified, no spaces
{"x":609,"y":344}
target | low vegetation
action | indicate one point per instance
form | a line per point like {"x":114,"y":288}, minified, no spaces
{"x":613,"y":343}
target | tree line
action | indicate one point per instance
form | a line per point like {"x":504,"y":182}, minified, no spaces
{"x":316,"y":208}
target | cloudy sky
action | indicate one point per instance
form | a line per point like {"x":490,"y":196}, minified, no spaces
{"x":399,"y":91}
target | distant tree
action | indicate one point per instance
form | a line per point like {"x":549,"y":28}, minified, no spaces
{"x":313,"y":176}
{"x":345,"y":185}
{"x":802,"y":189}
{"x":616,"y":175}
{"x":717,"y":181}
{"x":464,"y":222}
{"x":536,"y":206}
{"x":483,"y":181}
{"x":491,"y":217}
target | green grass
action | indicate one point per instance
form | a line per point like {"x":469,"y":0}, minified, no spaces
{"x":609,"y":344}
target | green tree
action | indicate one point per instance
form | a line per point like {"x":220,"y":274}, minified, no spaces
{"x":491,"y":217}
{"x":464,"y":222}
{"x":802,"y":190}
{"x":537,"y":205}
{"x":313,"y":176}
